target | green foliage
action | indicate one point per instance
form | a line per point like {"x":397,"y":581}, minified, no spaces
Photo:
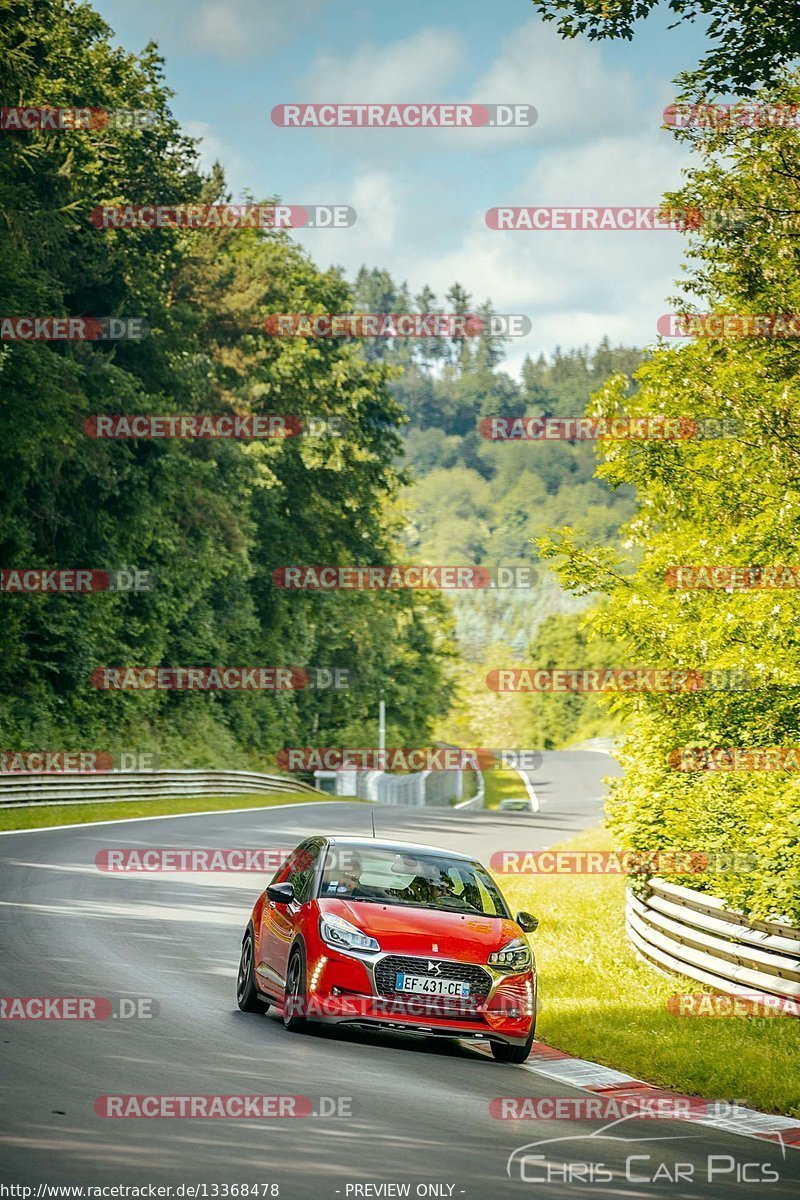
{"x":751,"y":43}
{"x":210,"y":518}
{"x":481,"y":502}
{"x":602,"y":1001}
{"x":727,"y":501}
{"x":476,"y":501}
{"x":501,"y":783}
{"x":560,"y":718}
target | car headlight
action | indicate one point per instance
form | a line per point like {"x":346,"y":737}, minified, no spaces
{"x":514,"y":956}
{"x":340,"y":934}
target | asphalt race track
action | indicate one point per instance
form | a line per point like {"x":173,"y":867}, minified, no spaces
{"x":415,"y":1113}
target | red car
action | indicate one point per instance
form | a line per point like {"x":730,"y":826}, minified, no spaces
{"x":393,"y":936}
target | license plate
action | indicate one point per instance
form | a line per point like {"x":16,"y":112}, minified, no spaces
{"x":430,"y":986}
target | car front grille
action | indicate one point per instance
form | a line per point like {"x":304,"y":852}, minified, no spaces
{"x":387,"y":970}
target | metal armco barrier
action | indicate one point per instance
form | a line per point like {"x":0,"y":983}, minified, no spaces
{"x":417,"y":790}
{"x":21,"y":790}
{"x":692,"y":933}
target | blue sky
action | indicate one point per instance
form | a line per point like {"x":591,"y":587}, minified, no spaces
{"x":421,"y":195}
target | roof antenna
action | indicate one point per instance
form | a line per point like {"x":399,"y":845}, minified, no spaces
{"x":372,"y":814}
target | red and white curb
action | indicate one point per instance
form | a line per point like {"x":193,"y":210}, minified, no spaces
{"x":593,"y":1077}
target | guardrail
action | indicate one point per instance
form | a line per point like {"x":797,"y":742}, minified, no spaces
{"x":21,"y":790}
{"x":475,"y":801}
{"x":417,"y":789}
{"x":421,"y":788}
{"x":694,"y":934}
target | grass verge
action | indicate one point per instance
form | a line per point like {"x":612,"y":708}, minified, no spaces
{"x":76,"y":814}
{"x":501,"y":783}
{"x":602,"y":1002}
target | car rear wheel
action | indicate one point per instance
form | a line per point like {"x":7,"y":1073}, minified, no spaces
{"x":294,"y":996}
{"x":247,"y":996}
{"x":505,"y":1053}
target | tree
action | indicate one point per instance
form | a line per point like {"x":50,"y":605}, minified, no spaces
{"x":721,"y":500}
{"x":752,"y":43}
{"x":210,"y":518}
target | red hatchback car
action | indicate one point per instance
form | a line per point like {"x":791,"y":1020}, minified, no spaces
{"x":393,"y":936}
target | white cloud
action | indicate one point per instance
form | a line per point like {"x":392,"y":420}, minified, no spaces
{"x":415,"y":69}
{"x":379,"y":202}
{"x":375,"y":199}
{"x":597,"y":142}
{"x":573,"y":90}
{"x":575,"y":286}
{"x":577,"y":95}
{"x":234,"y":29}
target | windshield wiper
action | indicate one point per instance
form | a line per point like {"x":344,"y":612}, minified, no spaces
{"x":458,"y":907}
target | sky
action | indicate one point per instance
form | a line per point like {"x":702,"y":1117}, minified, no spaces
{"x":421,"y":195}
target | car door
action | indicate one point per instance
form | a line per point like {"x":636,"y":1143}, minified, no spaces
{"x":280,"y":922}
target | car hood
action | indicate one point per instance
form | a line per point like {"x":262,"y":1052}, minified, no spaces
{"x":409,"y":930}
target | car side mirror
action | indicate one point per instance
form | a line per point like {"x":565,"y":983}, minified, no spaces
{"x":527,"y":922}
{"x":280,"y":893}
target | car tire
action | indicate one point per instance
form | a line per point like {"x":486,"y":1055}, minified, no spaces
{"x":247,"y":996}
{"x":505,"y":1053}
{"x":294,"y":991}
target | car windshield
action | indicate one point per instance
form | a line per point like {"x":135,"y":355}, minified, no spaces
{"x":382,"y":875}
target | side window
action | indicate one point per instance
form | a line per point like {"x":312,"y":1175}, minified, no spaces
{"x":282,"y":873}
{"x":301,"y":870}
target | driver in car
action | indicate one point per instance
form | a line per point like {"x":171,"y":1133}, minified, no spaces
{"x":349,"y":881}
{"x":430,"y":885}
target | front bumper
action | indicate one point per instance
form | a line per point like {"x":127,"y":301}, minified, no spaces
{"x":342,"y":990}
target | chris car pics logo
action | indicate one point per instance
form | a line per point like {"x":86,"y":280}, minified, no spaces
{"x":611,"y":1155}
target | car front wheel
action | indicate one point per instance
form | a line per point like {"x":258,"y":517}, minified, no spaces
{"x":505,"y":1053}
{"x":294,"y":997}
{"x":247,"y":996}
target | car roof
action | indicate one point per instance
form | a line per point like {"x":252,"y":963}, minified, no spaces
{"x":400,"y":847}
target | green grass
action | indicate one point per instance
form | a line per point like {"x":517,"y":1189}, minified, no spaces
{"x":76,"y":814}
{"x":501,"y":783}
{"x":602,"y":1002}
